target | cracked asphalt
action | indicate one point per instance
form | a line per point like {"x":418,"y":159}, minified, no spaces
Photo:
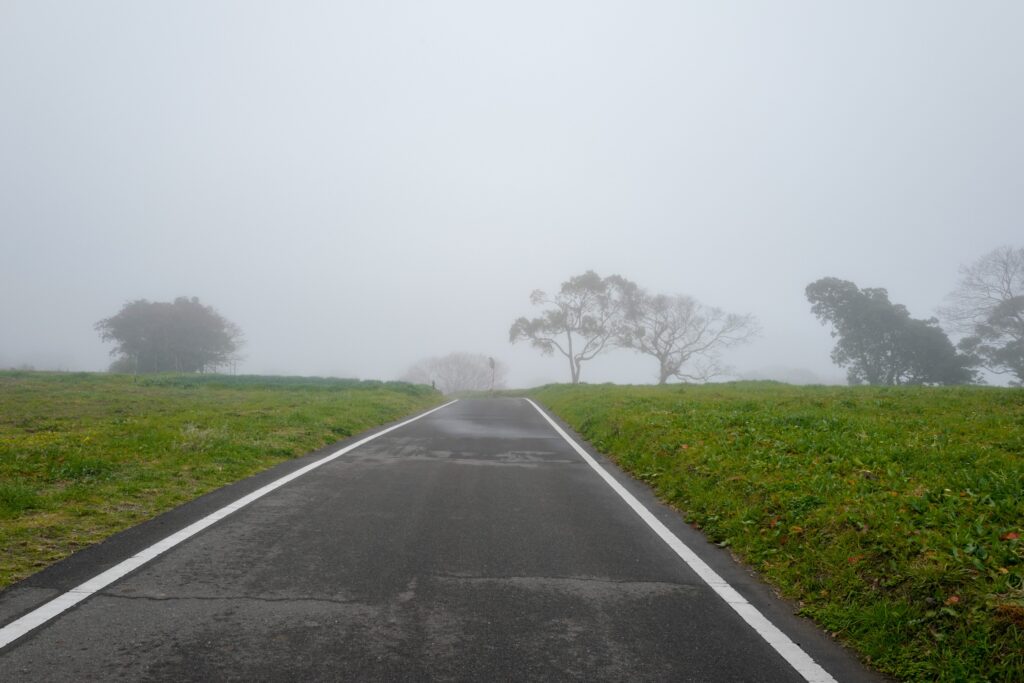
{"x":473,"y":544}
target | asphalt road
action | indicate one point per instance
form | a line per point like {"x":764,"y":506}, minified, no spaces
{"x":472,"y":544}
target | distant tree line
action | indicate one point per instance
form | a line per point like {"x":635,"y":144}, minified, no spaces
{"x":179,"y":336}
{"x":877,"y":340}
{"x":591,"y":315}
{"x":879,"y":343}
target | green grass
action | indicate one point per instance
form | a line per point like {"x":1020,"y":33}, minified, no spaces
{"x":893,"y":515}
{"x":85,"y":455}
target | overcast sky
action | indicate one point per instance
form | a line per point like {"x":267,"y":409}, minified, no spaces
{"x":359,"y":185}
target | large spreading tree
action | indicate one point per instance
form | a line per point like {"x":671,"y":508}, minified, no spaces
{"x":582,"y":320}
{"x":683,"y":335}
{"x":988,"y":307}
{"x":179,"y":336}
{"x":879,"y":343}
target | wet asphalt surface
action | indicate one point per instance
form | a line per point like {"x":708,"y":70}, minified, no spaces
{"x":473,"y":544}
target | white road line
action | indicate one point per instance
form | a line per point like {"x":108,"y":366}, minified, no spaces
{"x":790,"y":651}
{"x":39,"y":616}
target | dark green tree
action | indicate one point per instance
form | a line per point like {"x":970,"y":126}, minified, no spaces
{"x":584,"y":319}
{"x":179,"y":336}
{"x":878,"y":341}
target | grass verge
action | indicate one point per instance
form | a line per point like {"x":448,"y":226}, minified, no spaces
{"x":893,"y":515}
{"x":83,"y":456}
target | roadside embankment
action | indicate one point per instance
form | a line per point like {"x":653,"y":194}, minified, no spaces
{"x":893,"y":515}
{"x":83,"y":456}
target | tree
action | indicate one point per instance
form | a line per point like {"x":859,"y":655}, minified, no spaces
{"x":179,"y":336}
{"x":458,"y":372}
{"x":988,"y":307}
{"x":585,"y":319}
{"x":880,"y":343}
{"x":998,"y":343}
{"x":676,"y":330}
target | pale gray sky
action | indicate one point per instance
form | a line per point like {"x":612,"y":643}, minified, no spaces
{"x":359,"y":185}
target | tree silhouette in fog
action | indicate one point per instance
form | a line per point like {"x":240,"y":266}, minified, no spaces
{"x":179,"y":336}
{"x":988,"y":306}
{"x":458,"y":372}
{"x":878,"y":341}
{"x":583,"y":320}
{"x":683,"y":335}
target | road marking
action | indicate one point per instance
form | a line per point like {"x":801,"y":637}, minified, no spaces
{"x":790,"y":651}
{"x":39,"y":616}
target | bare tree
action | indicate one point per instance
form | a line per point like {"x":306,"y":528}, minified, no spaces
{"x":584,"y":319}
{"x":988,"y":307}
{"x":996,"y":277}
{"x":684,"y":336}
{"x":458,"y":372}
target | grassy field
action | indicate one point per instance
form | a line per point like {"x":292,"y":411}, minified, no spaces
{"x":85,"y":455}
{"x":893,"y":515}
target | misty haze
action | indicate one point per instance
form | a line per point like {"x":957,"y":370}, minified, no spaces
{"x":579,"y":340}
{"x":363,"y":186}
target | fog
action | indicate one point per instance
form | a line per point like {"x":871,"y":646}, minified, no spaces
{"x":362,"y":185}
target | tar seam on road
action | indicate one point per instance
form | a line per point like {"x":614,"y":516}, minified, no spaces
{"x":790,"y":651}
{"x":39,"y":616}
